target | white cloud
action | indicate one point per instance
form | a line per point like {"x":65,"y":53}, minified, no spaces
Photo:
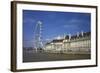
{"x":59,"y":37}
{"x":73,"y":23}
{"x":29,"y":20}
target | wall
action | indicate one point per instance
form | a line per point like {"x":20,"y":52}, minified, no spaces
{"x":5,"y":37}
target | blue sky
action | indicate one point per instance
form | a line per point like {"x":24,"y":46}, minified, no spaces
{"x":53,"y":24}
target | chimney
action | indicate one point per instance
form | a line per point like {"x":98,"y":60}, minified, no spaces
{"x":64,"y":36}
{"x":82,"y":33}
{"x":77,"y":34}
{"x":69,"y":36}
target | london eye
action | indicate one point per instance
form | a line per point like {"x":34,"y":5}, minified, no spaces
{"x":38,"y":41}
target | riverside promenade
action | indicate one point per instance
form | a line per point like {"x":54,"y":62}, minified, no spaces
{"x":31,"y":56}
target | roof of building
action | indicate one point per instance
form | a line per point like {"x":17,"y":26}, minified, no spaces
{"x":80,"y":35}
{"x":86,"y":33}
{"x":74,"y":36}
{"x":57,"y":40}
{"x":67,"y":37}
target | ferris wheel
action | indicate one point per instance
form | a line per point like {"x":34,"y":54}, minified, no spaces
{"x":38,"y":42}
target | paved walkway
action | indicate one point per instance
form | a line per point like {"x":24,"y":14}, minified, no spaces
{"x":40,"y":56}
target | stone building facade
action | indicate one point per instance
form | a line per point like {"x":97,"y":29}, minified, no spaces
{"x":79,"y":43}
